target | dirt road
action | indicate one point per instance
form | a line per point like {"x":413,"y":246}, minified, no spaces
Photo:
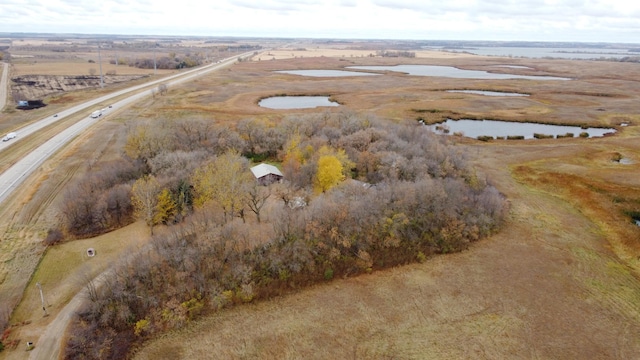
{"x":4,"y":85}
{"x":48,"y":346}
{"x":48,"y":343}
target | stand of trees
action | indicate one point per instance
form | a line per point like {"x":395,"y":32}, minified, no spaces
{"x":415,"y":196}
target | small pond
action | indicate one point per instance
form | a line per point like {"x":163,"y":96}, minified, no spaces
{"x":452,"y":72}
{"x":487,"y":93}
{"x":296,"y":102}
{"x":326,"y":73}
{"x":503,"y":129}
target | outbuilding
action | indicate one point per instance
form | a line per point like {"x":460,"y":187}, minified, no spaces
{"x":266,"y":174}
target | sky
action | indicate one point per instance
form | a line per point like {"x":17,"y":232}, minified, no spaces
{"x":616,"y":21}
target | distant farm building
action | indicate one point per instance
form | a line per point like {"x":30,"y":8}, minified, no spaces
{"x":266,"y":174}
{"x":30,"y":104}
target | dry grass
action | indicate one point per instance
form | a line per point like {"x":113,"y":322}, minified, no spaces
{"x":551,"y":285}
{"x":65,"y":268}
{"x":77,"y":67}
{"x":548,"y":286}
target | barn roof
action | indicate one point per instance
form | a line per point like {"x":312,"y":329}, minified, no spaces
{"x":265,"y":169}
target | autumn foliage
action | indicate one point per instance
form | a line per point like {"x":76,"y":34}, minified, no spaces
{"x":385,"y":194}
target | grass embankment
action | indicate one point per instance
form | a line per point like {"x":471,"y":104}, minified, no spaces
{"x":528,"y":280}
{"x":547,"y":286}
{"x":66,"y":268}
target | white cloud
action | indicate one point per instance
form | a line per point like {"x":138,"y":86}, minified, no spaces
{"x":552,"y":20}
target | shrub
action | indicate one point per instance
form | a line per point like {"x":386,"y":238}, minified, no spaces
{"x":515,"y":137}
{"x":54,"y":236}
{"x":485,"y":137}
{"x":141,"y":326}
{"x":542,"y":136}
{"x":616,"y":157}
{"x":584,"y":134}
{"x":328,"y":274}
{"x":567,"y":135}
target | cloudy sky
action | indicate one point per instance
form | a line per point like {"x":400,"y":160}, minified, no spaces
{"x":533,"y":20}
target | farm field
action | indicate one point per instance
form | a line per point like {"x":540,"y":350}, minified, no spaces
{"x":559,"y":281}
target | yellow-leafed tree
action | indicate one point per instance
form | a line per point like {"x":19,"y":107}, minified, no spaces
{"x":341,"y":155}
{"x":224,"y":181}
{"x":166,"y":208}
{"x":144,"y":197}
{"x":329,"y":173}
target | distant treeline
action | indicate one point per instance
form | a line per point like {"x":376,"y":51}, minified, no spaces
{"x":388,"y":53}
{"x":163,"y":62}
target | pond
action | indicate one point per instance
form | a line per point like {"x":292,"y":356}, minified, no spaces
{"x":503,"y":129}
{"x":326,"y":73}
{"x":296,"y":102}
{"x":487,"y":93}
{"x":514,"y":67}
{"x":452,"y":72}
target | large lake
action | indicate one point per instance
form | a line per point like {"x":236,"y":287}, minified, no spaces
{"x":296,"y":102}
{"x":542,"y":52}
{"x":476,"y":128}
{"x":452,"y":72}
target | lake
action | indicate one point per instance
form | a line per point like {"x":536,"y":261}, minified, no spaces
{"x":296,"y":102}
{"x":476,"y":128}
{"x":452,"y":72}
{"x":545,"y":52}
{"x":326,"y":73}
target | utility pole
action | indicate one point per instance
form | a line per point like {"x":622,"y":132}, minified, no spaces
{"x":100,"y":63}
{"x":154,"y":58}
{"x":44,"y":308}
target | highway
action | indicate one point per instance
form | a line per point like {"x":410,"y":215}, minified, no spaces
{"x":16,"y":174}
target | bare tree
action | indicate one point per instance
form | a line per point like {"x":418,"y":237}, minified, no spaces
{"x":257,"y":198}
{"x":145,"y":199}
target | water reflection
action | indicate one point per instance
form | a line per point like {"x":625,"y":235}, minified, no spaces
{"x":296,"y":102}
{"x":452,"y":72}
{"x":504,"y":129}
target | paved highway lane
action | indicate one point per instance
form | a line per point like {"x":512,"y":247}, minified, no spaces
{"x":16,"y":174}
{"x":91,"y":105}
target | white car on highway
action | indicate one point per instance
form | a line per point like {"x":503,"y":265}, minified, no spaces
{"x":9,"y":136}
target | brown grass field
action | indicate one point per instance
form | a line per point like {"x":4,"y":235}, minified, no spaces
{"x":559,"y":282}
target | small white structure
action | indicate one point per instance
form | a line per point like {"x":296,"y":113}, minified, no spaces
{"x":266,"y":174}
